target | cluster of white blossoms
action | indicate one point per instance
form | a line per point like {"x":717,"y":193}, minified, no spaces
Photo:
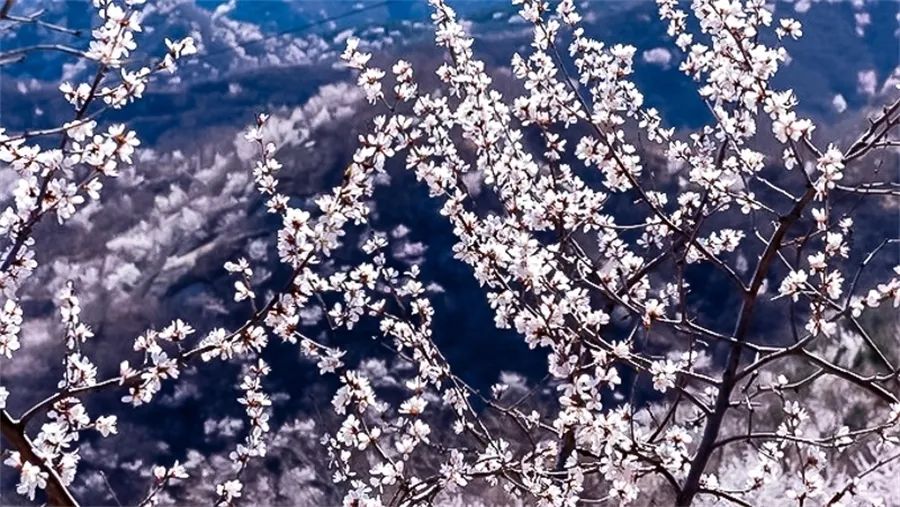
{"x":163,"y":476}
{"x":55,"y":444}
{"x":11,"y":322}
{"x":256,"y":404}
{"x":651,"y":392}
{"x":371,"y":289}
{"x":545,"y":281}
{"x":60,"y":180}
{"x":31,"y":477}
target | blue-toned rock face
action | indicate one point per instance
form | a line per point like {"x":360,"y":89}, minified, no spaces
{"x":189,"y":204}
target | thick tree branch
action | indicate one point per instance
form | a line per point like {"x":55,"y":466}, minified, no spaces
{"x":14,"y":433}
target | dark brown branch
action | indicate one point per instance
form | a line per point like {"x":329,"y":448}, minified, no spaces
{"x":14,"y":433}
{"x":729,"y":377}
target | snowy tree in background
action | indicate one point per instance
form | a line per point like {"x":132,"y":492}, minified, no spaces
{"x":591,"y":227}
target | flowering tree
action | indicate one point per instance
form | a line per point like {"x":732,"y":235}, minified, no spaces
{"x":611,"y":299}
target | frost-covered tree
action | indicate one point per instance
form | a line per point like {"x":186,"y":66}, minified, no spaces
{"x":592,"y":228}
